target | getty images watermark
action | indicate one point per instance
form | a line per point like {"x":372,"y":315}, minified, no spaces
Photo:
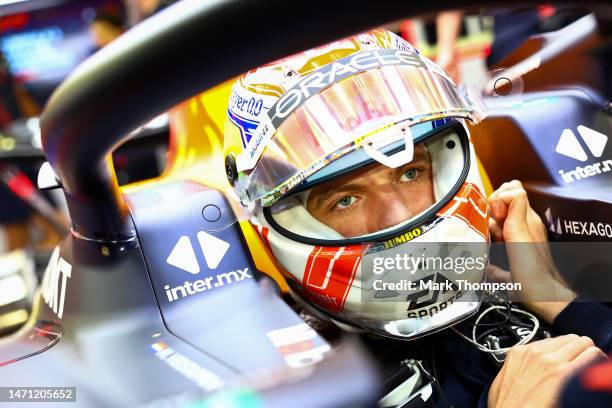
{"x":414,"y":272}
{"x":410,"y":265}
{"x":430,"y":271}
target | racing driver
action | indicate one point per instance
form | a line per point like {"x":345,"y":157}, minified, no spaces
{"x":357,"y":154}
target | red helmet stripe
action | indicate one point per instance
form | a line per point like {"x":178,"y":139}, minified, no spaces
{"x":329,"y":274}
{"x":470,"y":206}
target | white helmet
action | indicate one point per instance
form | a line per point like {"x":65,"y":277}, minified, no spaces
{"x":355,"y":163}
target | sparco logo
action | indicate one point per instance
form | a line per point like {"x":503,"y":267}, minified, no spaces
{"x":570,"y":146}
{"x":336,"y":71}
{"x":436,"y":285}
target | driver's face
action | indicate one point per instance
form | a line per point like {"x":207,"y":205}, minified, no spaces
{"x":374,"y":198}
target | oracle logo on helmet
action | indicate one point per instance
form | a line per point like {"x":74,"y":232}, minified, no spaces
{"x":338,"y":70}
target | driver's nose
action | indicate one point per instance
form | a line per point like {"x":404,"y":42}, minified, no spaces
{"x":390,"y":209}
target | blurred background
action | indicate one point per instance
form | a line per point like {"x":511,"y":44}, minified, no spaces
{"x":43,"y":41}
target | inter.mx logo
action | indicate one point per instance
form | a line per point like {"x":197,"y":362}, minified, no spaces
{"x":569,"y":145}
{"x":183,"y":256}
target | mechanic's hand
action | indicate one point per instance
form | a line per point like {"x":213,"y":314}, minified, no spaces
{"x":533,"y":374}
{"x":514,"y":221}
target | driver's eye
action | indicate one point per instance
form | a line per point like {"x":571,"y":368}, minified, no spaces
{"x":345,"y":202}
{"x":410,"y":174}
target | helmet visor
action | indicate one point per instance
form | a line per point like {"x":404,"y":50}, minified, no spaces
{"x":339,"y":120}
{"x":359,"y":199}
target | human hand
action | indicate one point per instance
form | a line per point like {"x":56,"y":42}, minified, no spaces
{"x":514,"y":221}
{"x":533,"y":374}
{"x":512,"y":218}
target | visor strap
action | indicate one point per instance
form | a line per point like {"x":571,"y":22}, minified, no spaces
{"x":372,"y":146}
